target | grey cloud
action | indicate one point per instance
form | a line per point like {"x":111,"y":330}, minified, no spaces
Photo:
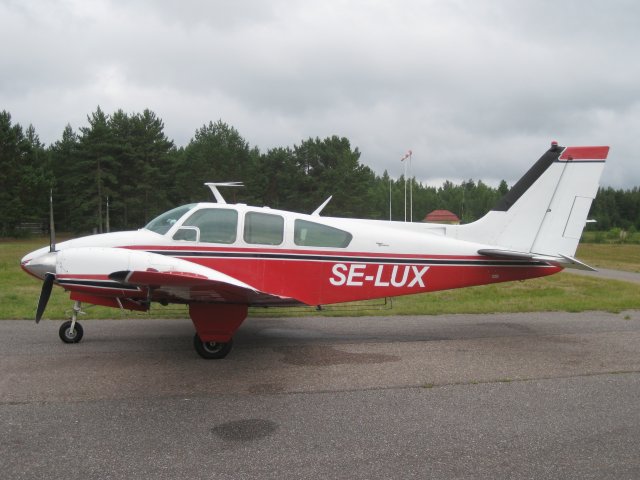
{"x":476,"y":89}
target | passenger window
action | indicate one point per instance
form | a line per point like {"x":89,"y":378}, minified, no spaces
{"x":263,"y":228}
{"x":215,"y":225}
{"x":310,"y":234}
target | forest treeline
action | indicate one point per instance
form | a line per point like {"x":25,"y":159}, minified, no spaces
{"x":126,"y":160}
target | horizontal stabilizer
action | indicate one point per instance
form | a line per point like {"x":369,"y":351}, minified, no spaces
{"x":506,"y":254}
{"x":577,"y":264}
{"x":561,"y":260}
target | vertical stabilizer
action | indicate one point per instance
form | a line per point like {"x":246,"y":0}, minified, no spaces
{"x":546,"y":210}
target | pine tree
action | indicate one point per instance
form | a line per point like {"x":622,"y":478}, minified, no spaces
{"x":64,"y":155}
{"x":24,"y":176}
{"x":217,"y":153}
{"x":96,"y":168}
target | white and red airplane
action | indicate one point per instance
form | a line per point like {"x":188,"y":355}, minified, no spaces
{"x":219,"y":259}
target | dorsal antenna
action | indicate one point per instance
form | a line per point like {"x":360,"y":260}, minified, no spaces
{"x":52,"y":227}
{"x":316,"y":212}
{"x":216,"y":193}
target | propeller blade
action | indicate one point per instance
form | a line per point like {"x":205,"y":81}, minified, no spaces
{"x":45,"y":293}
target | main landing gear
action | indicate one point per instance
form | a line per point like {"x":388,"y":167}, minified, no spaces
{"x":215,"y":325}
{"x":71,"y":331}
{"x":211,"y":350}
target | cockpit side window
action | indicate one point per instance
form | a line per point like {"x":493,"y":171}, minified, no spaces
{"x":263,"y":228}
{"x":311,"y":234}
{"x":163,"y":223}
{"x":215,"y":225}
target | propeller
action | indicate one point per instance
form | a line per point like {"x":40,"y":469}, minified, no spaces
{"x":45,"y":293}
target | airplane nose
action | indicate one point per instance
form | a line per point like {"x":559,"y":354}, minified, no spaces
{"x":41,"y":265}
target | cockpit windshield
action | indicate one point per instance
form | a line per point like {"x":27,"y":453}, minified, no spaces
{"x":164,"y":222}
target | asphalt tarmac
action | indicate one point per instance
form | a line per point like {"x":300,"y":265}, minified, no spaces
{"x":552,"y":395}
{"x":633,"y":277}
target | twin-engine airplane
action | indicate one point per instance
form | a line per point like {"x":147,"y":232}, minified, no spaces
{"x":219,"y":259}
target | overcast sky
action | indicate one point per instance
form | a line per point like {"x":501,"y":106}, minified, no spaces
{"x":476,"y":89}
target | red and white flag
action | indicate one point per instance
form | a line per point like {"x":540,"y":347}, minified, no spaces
{"x":406,"y":155}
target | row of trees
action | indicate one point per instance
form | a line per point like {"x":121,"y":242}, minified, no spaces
{"x":127,"y":162}
{"x":616,"y":209}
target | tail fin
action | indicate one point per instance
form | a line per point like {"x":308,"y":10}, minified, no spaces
{"x":546,"y":210}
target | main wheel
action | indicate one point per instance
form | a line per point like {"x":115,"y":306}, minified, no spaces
{"x":211,"y":350}
{"x":70,"y":336}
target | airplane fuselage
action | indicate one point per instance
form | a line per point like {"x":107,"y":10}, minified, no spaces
{"x":368,"y":259}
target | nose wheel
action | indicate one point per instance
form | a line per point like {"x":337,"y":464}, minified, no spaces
{"x":71,"y":331}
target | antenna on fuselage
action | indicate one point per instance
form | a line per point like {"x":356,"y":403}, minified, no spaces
{"x":316,"y":212}
{"x":216,"y":192}
{"x":52,"y":227}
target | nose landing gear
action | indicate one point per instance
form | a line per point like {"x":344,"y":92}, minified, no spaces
{"x":71,"y":331}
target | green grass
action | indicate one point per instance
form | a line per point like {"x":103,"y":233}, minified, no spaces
{"x":615,"y":256}
{"x":19,"y":293}
{"x":615,"y":235}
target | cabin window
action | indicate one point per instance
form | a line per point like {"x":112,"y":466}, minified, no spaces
{"x":263,"y":228}
{"x":310,"y":234}
{"x":211,"y":225}
{"x":164,"y":222}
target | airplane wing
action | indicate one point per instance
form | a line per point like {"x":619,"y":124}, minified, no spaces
{"x":190,"y":286}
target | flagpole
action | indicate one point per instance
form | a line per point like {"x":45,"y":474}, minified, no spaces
{"x":407,"y":155}
{"x":389,"y":198}
{"x":410,"y":188}
{"x":405,"y":189}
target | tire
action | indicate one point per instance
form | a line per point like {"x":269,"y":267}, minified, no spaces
{"x":211,"y":350}
{"x":68,"y":336}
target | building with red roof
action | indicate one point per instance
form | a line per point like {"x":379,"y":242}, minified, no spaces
{"x":442,"y":216}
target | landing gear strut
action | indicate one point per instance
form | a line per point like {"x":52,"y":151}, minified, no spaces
{"x":71,"y":331}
